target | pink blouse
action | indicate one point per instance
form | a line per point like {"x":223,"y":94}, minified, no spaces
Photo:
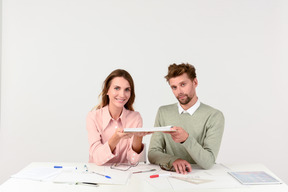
{"x":101,"y":126}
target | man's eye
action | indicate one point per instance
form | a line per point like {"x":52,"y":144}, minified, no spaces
{"x":183,"y":84}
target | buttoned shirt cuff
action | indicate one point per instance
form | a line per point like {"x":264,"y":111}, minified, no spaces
{"x":134,"y":156}
{"x":107,"y":154}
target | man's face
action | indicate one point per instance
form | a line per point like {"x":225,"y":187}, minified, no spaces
{"x":184,"y":89}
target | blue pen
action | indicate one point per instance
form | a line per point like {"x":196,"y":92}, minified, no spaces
{"x":108,"y":177}
{"x":64,"y":167}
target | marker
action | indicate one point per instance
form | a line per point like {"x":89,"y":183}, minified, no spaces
{"x":64,"y":167}
{"x":108,"y":177}
{"x":160,"y":175}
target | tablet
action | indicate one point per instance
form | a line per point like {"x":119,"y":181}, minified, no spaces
{"x":151,"y":129}
{"x":254,"y":178}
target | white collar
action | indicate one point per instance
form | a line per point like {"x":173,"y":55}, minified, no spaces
{"x":191,"y":110}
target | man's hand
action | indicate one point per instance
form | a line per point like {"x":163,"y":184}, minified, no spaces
{"x":180,"y":135}
{"x":181,"y":166}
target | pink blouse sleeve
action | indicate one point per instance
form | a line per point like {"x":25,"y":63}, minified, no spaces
{"x":132,"y":156}
{"x":98,"y":153}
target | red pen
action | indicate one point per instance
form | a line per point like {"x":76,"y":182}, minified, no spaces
{"x":159,"y":175}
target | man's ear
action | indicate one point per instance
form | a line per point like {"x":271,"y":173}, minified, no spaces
{"x":195,"y":82}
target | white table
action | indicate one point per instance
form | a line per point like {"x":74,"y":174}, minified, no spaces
{"x":142,"y":182}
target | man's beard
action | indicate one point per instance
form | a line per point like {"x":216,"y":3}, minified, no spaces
{"x":186,"y":101}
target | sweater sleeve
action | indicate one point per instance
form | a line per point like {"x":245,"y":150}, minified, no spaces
{"x":205,"y":156}
{"x":156,"y":153}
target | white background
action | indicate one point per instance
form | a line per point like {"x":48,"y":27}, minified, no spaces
{"x":57,"y":53}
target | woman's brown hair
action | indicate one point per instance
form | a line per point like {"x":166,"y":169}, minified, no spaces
{"x":107,"y":83}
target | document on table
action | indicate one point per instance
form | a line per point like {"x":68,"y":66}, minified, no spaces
{"x":151,"y":129}
{"x":38,"y":173}
{"x":214,"y":178}
{"x":192,"y":180}
{"x":116,"y":177}
{"x":97,"y":174}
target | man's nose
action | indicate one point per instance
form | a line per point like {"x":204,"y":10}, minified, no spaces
{"x":180,"y":90}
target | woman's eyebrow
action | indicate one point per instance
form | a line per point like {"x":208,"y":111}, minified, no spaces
{"x":115,"y":85}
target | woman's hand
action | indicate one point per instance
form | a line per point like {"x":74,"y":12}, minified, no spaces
{"x":116,"y":137}
{"x":119,"y":133}
{"x":137,"y":145}
{"x":141,"y":134}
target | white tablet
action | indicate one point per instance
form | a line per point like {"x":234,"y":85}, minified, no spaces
{"x":152,"y":129}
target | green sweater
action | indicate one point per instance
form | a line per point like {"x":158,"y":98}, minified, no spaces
{"x":205,"y":128}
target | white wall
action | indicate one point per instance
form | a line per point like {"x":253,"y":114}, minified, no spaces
{"x":57,"y":53}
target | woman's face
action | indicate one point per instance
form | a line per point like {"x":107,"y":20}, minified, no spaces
{"x":119,"y":92}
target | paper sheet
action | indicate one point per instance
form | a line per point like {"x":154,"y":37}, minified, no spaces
{"x":117,"y":177}
{"x":38,"y":173}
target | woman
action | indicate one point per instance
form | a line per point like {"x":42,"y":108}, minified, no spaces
{"x":105,"y":124}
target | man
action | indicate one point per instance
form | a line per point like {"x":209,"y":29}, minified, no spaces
{"x":199,"y":127}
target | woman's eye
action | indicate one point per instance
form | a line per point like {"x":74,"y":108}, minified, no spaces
{"x":117,"y":88}
{"x":128,"y":90}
